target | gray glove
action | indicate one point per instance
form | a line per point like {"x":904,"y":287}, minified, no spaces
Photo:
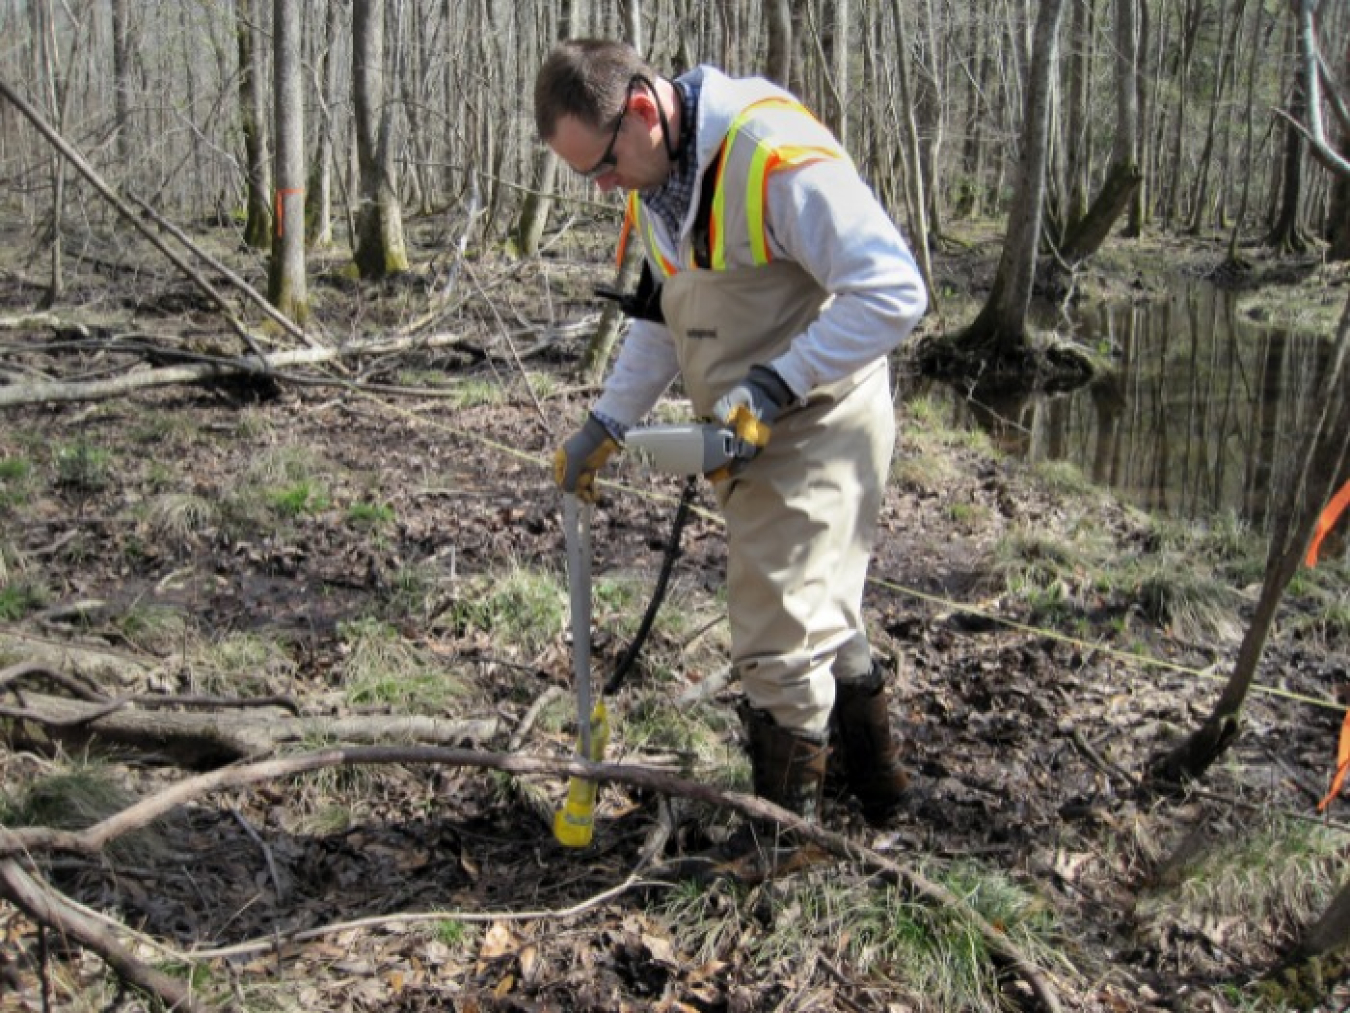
{"x":762,"y":391}
{"x":581,"y":456}
{"x":752,"y":406}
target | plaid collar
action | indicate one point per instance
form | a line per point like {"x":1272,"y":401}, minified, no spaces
{"x":670,"y":201}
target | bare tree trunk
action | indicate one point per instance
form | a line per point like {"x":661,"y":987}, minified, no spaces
{"x":49,"y":57}
{"x":1077,"y":150}
{"x":319,"y":198}
{"x":1124,"y":176}
{"x":1338,"y":214}
{"x":1227,"y":53}
{"x":121,"y":58}
{"x":999,"y":331}
{"x":914,"y":181}
{"x":1233,"y":258}
{"x":380,"y":249}
{"x":1189,"y":20}
{"x":286,"y":288}
{"x":252,"y":115}
{"x":601,"y":347}
{"x":1286,"y":235}
{"x":778,"y":26}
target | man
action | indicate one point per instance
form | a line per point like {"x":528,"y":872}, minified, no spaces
{"x":774,"y":285}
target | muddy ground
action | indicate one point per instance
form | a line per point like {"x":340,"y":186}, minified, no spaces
{"x":129,"y":532}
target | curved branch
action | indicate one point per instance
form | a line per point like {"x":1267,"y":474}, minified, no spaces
{"x":93,"y":839}
{"x":41,"y":904}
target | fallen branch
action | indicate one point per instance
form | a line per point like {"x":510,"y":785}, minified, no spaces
{"x":89,"y":173}
{"x":41,"y":904}
{"x":206,"y":369}
{"x":202,"y":739}
{"x":93,"y":839}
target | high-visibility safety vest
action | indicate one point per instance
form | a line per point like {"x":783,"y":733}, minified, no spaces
{"x":771,"y":135}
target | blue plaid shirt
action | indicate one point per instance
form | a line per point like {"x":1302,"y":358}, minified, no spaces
{"x":670,"y":201}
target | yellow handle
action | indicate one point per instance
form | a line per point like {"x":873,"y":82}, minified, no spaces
{"x":574,"y":823}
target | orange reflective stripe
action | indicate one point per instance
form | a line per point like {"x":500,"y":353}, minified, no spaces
{"x":1327,"y":520}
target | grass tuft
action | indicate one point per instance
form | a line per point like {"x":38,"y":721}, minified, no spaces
{"x":177,"y":518}
{"x":521,"y":607}
{"x":383,"y":669}
{"x":77,"y":798}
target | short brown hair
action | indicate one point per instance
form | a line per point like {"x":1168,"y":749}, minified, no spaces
{"x":585,"y":78}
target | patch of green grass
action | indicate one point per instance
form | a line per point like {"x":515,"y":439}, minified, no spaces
{"x":521,"y":607}
{"x":477,"y":393}
{"x":697,"y":733}
{"x":1328,"y":623}
{"x":164,"y":428}
{"x":16,"y":478}
{"x":287,"y":465}
{"x":1063,"y":478}
{"x":414,"y":591}
{"x":303,"y":496}
{"x":1027,"y":559}
{"x":426,"y":378}
{"x":542,"y":385}
{"x":923,"y":472}
{"x":937,"y":955}
{"x":382,"y":668}
{"x":252,"y":425}
{"x":452,"y":932}
{"x":370,"y":516}
{"x":19,"y":598}
{"x":83,"y":468}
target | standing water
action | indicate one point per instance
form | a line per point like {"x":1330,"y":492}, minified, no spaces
{"x":1205,"y":414}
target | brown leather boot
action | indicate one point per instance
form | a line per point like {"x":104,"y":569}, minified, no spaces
{"x":862,"y":732}
{"x":788,"y":766}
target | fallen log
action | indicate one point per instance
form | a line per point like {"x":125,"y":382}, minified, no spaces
{"x":201,"y":740}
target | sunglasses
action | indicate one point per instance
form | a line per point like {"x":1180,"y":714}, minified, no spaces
{"x":609,"y":161}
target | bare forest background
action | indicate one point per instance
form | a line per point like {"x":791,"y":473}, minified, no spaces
{"x":422,"y":108}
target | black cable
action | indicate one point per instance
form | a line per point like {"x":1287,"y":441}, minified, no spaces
{"x":659,"y":592}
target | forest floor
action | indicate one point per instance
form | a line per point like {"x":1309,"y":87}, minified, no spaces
{"x":398,"y":550}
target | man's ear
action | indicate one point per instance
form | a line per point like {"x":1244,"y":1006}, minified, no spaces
{"x":643,"y":106}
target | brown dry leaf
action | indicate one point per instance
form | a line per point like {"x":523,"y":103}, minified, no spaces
{"x":529,"y":962}
{"x":498,"y":941}
{"x":504,"y":986}
{"x":661,"y":950}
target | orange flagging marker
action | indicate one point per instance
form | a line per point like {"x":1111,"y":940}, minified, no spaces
{"x":1327,"y":521}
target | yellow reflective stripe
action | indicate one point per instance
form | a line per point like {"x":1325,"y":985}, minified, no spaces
{"x":755,"y":199}
{"x":630,"y":215}
{"x":635,"y":217}
{"x":763,"y":164}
